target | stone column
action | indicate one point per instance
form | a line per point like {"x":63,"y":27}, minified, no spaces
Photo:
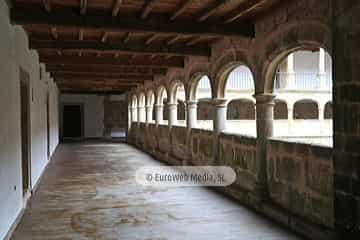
{"x":290,"y":73}
{"x":172,"y":108}
{"x":134,"y":114}
{"x":191,"y":118}
{"x":129,"y":117}
{"x":141,"y":114}
{"x":321,"y":111}
{"x":159,"y":114}
{"x":322,"y":72}
{"x":264,"y":124}
{"x":219,"y":112}
{"x":149,"y":113}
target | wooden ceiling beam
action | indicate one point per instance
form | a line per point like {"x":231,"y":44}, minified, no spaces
{"x":105,"y":61}
{"x":210,"y":11}
{"x":116,"y":7}
{"x":136,"y":48}
{"x":244,"y":9}
{"x":101,"y":75}
{"x":103,"y":22}
{"x":147,"y":8}
{"x":65,"y":68}
{"x":91,"y":92}
{"x":180,"y":9}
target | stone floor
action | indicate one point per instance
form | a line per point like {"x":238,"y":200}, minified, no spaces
{"x":89,"y":192}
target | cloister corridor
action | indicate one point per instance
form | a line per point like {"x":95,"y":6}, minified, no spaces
{"x":88,"y":191}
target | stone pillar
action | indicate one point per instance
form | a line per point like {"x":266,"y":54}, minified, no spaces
{"x":219,"y":112}
{"x":172,"y":108}
{"x":290,"y":117}
{"x":159,"y":114}
{"x":134,"y":114}
{"x":322,"y":72}
{"x":129,"y":117}
{"x":264,"y":125}
{"x":191,"y":118}
{"x":321,"y":111}
{"x":290,"y":73}
{"x":141,"y":114}
{"x":149,"y":113}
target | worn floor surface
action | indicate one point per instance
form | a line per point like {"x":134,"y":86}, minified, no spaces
{"x":89,"y":192}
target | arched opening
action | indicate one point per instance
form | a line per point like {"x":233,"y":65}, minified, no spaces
{"x":328,"y":112}
{"x":280,"y":110}
{"x":141,"y":108}
{"x":161,"y":102}
{"x":134,"y":110}
{"x":239,"y":91}
{"x":177,"y":100}
{"x":304,"y":79}
{"x":241,"y":109}
{"x":306,"y":109}
{"x":150,"y":110}
{"x":201,"y":93}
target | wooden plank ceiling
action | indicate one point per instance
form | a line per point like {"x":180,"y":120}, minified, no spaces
{"x":111,"y":46}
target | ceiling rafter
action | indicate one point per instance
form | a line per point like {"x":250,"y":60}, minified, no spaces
{"x":156,"y":24}
{"x":210,"y":11}
{"x":54,"y":33}
{"x":244,"y":9}
{"x":133,"y":48}
{"x":116,"y":7}
{"x":180,"y":9}
{"x":148,"y":6}
{"x":151,"y":39}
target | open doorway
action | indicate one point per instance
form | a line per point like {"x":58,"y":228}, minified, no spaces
{"x":72,"y":128}
{"x":25,"y":130}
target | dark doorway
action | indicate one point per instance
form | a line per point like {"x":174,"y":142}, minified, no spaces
{"x":25,"y":130}
{"x":72,"y":122}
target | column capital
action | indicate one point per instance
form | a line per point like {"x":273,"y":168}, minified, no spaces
{"x":172,"y":105}
{"x":219,"y":102}
{"x":191,"y":102}
{"x":141,"y":107}
{"x":158,"y":105}
{"x":149,"y":106}
{"x":264,"y":98}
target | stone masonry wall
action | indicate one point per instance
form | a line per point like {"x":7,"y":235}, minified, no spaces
{"x":300,"y":179}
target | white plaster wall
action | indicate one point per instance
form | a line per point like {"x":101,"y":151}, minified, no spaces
{"x":93,"y":112}
{"x":306,"y":61}
{"x":14,"y":53}
{"x":10,"y":164}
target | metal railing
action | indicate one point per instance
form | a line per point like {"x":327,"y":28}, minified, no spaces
{"x":303,"y":80}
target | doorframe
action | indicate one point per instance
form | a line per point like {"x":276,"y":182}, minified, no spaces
{"x":26,"y":82}
{"x":62,"y":106}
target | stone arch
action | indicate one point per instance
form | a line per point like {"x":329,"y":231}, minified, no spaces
{"x":224,"y":66}
{"x":280,"y":109}
{"x":306,"y":109}
{"x":150,"y":98}
{"x":328,"y":111}
{"x":241,"y":109}
{"x":174,"y":85}
{"x":193,"y":85}
{"x":292,"y":36}
{"x":134,"y":101}
{"x":161,"y":94}
{"x":142,"y":100}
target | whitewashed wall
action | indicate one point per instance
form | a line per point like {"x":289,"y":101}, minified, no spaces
{"x":14,"y":53}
